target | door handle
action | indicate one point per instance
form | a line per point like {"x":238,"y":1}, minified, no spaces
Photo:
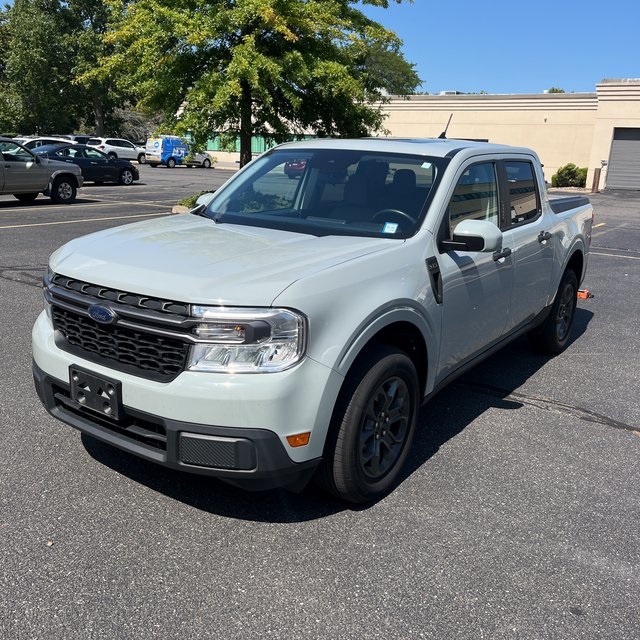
{"x":498,"y":255}
{"x":543,"y":236}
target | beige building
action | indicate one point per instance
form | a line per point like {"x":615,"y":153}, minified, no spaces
{"x":598,"y":130}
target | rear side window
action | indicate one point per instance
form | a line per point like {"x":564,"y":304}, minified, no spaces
{"x":524,"y":203}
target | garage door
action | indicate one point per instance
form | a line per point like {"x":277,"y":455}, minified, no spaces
{"x":623,"y":171}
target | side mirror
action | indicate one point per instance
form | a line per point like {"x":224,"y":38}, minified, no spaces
{"x":474,"y":235}
{"x":205,"y":198}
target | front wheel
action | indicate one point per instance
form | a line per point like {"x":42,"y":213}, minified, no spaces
{"x":373,"y":426}
{"x":553,"y":334}
{"x":171,"y":163}
{"x":141,"y":158}
{"x":126,"y":177}
{"x":63,"y":191}
{"x":206,"y":163}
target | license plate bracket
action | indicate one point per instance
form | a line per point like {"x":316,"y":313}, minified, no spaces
{"x":96,"y":393}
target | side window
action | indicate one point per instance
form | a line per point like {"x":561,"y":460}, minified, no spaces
{"x":14,"y":153}
{"x":475,"y":196}
{"x":523,"y":197}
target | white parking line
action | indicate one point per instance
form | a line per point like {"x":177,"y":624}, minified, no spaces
{"x":46,"y":209}
{"x":50,"y":224}
{"x":614,"y":255}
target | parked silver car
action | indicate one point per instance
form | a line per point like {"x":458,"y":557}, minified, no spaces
{"x":25,"y":175}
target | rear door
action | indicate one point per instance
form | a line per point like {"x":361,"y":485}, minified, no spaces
{"x":476,"y":287}
{"x":529,"y":235}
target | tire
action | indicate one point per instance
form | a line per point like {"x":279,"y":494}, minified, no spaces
{"x":26,"y":198}
{"x":553,"y":334}
{"x":153,"y":164}
{"x":206,"y":163}
{"x":372,"y":427}
{"x":141,"y":158}
{"x":126,"y":177}
{"x":112,"y":155}
{"x":63,"y":191}
{"x":171,"y":163}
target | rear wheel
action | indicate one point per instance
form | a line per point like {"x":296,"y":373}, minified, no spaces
{"x":171,"y":163}
{"x":26,"y":198}
{"x":141,"y":158}
{"x":63,"y":191}
{"x":112,"y":155}
{"x":373,"y":426}
{"x":553,"y":334}
{"x":126,"y":177}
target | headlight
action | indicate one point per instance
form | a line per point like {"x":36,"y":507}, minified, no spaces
{"x":246,"y":340}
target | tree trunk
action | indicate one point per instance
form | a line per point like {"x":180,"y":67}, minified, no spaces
{"x":98,"y":115}
{"x":246,"y":125}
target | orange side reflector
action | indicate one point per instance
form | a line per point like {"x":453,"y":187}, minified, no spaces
{"x":584,"y":294}
{"x":299,"y":439}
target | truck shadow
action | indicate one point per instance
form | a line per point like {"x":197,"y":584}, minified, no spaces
{"x":486,"y":386}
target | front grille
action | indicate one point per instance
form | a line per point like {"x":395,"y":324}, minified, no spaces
{"x":170,"y":307}
{"x":150,"y":337}
{"x":153,"y":356}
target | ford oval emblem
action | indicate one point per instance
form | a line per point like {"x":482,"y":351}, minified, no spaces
{"x":101,"y":314}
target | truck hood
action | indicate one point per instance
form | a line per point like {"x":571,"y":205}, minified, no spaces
{"x":193,"y":259}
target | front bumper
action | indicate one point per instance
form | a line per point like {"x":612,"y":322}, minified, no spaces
{"x":250,"y":458}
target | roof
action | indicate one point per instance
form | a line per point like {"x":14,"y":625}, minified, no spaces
{"x":437,"y":147}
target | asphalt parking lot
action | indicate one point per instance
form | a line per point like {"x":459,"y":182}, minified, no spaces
{"x":518,"y":515}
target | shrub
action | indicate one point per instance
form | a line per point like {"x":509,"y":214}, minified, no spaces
{"x":190,"y":202}
{"x":569,"y":176}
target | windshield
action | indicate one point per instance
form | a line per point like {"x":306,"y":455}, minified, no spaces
{"x":331,"y":192}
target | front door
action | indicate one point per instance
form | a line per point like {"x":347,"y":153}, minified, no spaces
{"x":476,"y":287}
{"x":22,"y":173}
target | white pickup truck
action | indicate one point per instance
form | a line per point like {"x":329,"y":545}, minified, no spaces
{"x":293,"y":327}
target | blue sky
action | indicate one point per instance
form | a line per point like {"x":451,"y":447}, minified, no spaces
{"x":501,"y":46}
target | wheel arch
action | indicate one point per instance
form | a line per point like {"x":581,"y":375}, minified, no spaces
{"x":403,"y":328}
{"x":61,"y":174}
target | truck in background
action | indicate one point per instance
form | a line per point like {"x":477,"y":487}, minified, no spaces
{"x":173,"y":150}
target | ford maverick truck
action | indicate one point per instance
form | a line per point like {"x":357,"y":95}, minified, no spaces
{"x":25,"y":175}
{"x":290,"y":328}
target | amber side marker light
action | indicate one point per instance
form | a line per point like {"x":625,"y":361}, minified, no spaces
{"x":299,"y":439}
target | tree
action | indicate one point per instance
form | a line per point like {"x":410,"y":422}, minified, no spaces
{"x":555,"y":90}
{"x":50,"y":45}
{"x":277,"y":68}
{"x":36,"y":66}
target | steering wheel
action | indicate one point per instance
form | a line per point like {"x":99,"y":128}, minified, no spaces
{"x":394,"y":212}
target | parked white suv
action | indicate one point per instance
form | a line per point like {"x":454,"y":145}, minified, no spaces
{"x":118,"y":148}
{"x":32,"y":142}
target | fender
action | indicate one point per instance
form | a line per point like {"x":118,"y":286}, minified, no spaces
{"x":396,"y":311}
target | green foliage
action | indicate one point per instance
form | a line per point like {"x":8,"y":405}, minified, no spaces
{"x":190,"y":202}
{"x":274,"y":68}
{"x":570,"y":176}
{"x":556,"y":90}
{"x":48,"y":46}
